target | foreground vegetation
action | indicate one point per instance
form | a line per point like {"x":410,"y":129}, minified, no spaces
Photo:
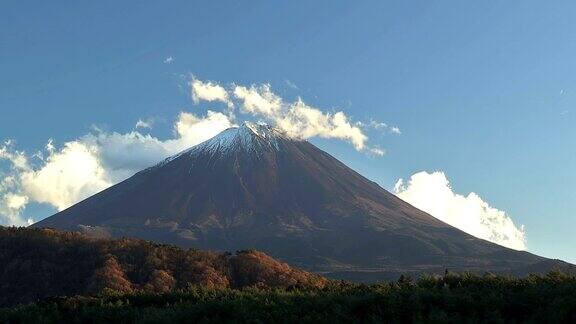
{"x":450,"y":298}
{"x":48,"y":276}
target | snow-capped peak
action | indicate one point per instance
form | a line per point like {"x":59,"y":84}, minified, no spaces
{"x":250,"y":137}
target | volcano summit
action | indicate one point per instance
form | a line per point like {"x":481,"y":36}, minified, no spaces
{"x":253,"y":187}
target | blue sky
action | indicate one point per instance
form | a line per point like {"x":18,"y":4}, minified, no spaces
{"x":482,"y":91}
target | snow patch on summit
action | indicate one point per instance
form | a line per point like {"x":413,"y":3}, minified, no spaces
{"x":250,"y":137}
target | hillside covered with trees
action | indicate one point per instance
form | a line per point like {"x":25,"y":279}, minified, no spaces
{"x":41,"y":263}
{"x":47,"y":276}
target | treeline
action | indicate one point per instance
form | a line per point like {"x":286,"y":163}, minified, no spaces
{"x":47,"y":276}
{"x":40,"y":263}
{"x":447,"y":299}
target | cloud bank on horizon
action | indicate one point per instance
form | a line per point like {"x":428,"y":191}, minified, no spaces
{"x":432,"y":193}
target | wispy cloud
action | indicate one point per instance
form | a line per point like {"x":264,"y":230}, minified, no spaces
{"x":384,"y":127}
{"x":209,"y":91}
{"x":297,"y":118}
{"x":377,"y":151}
{"x":379,"y":126}
{"x":291,"y":84}
{"x":432,"y":193}
{"x":395,"y":130}
{"x":168,"y":60}
{"x":144,"y":124}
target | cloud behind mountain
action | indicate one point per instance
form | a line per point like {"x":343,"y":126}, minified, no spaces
{"x":432,"y":193}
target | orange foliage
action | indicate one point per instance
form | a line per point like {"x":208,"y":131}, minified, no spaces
{"x":38,"y":263}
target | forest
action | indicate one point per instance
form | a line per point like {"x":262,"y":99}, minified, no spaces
{"x":451,"y":298}
{"x":47,"y":276}
{"x":40,"y":263}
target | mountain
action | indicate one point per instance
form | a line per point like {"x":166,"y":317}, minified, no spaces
{"x":40,"y":263}
{"x":253,"y":187}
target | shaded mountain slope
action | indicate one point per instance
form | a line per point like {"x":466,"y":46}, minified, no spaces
{"x":252,"y":187}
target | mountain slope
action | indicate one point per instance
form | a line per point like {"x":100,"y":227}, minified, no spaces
{"x":252,"y":187}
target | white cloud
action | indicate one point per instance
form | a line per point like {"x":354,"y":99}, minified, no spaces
{"x":67,"y":176}
{"x":377,"y":151}
{"x":192,"y":130}
{"x":91,"y":163}
{"x":377,"y":125}
{"x":297,"y":119}
{"x":14,"y":201}
{"x":11,"y":206}
{"x":209,"y":91}
{"x":432,"y":193}
{"x":168,"y":60}
{"x":259,"y":100}
{"x":144,"y":124}
{"x":381,"y":126}
{"x":11,"y":203}
{"x":17,"y":158}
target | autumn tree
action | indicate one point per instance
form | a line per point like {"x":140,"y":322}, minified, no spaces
{"x":160,"y":281}
{"x":111,"y":276}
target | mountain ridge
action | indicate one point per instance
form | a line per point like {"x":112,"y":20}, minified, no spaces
{"x":253,"y":187}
